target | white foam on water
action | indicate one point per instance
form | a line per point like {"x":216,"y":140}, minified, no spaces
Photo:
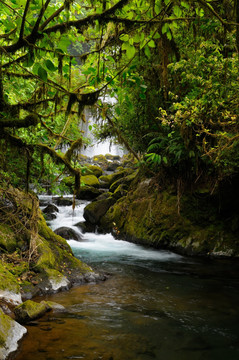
{"x":104,"y":245}
{"x":107,"y":245}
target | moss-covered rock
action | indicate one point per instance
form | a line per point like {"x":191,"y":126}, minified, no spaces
{"x":93,"y":170}
{"x":99,"y":158}
{"x":126,"y":180}
{"x":90,"y":180}
{"x":156,"y":218}
{"x":111,"y":178}
{"x":95,"y":210}
{"x":88,"y":193}
{"x":52,"y":305}
{"x":10,"y":333}
{"x":30,"y":310}
{"x":120,"y":191}
{"x":112,"y":157}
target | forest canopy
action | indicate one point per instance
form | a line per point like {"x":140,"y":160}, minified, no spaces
{"x":171,"y":66}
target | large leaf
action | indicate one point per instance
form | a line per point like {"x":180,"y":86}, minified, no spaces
{"x":50,"y":66}
{"x":42,"y":73}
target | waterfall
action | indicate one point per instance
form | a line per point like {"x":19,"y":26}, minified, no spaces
{"x":99,"y":147}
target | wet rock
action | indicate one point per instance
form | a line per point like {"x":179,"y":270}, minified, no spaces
{"x":50,"y":217}
{"x":88,"y":193}
{"x":51,"y":305}
{"x":60,"y":201}
{"x":68,"y":233}
{"x":112,"y":166}
{"x":10,"y":333}
{"x":85,"y":226}
{"x":94,"y":211}
{"x":50,"y":208}
{"x":30,"y":310}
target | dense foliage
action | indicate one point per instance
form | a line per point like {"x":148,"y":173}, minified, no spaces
{"x":171,"y":66}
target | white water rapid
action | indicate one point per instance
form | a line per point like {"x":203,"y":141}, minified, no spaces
{"x":103,"y":246}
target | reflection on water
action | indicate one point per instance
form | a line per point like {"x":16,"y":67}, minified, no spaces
{"x":155,"y":305}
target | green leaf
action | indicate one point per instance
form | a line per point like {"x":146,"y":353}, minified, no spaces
{"x":185,"y":5}
{"x":142,"y":96}
{"x":169,"y":35}
{"x":130,"y":51}
{"x":35,"y":68}
{"x":64,"y":43}
{"x":177,"y":11}
{"x":29,"y":61}
{"x":42,"y":73}
{"x":147,"y":51}
{"x":137,"y":38}
{"x":124,"y":37}
{"x":157,"y":36}
{"x":200,"y":12}
{"x":165,"y":28}
{"x":151,"y":44}
{"x":165,"y":160}
{"x":50,"y":66}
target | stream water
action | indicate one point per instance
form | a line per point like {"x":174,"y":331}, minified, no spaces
{"x":155,"y":305}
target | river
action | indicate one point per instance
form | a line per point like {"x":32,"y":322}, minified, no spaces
{"x":155,"y":305}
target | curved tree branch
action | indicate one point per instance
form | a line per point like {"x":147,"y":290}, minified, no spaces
{"x":24,"y":20}
{"x":29,"y":120}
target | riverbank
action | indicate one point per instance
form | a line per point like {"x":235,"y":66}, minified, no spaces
{"x":201,"y":220}
{"x":34,"y":261}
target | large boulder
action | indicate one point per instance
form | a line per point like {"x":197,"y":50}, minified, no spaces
{"x":85,"y":227}
{"x":94,"y":211}
{"x":90,"y":180}
{"x":60,"y":201}
{"x":88,"y":193}
{"x":49,"y":212}
{"x":93,"y":170}
{"x":30,"y":310}
{"x":68,"y":233}
{"x":50,"y":208}
{"x":10,"y":333}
